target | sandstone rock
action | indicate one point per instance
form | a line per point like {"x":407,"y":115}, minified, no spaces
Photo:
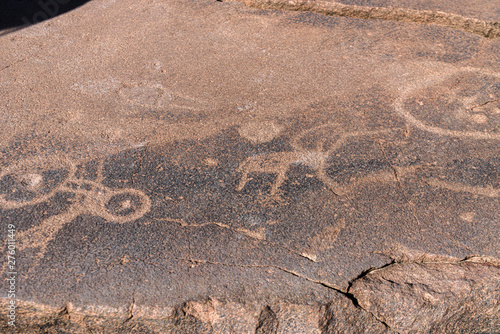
{"x":252,"y":166}
{"x":434,"y":297}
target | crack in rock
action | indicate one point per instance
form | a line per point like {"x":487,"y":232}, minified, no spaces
{"x":438,"y":295}
{"x":12,"y":64}
{"x":473,"y":108}
{"x":482,"y":28}
{"x":130,"y":310}
{"x":288,"y":271}
{"x":416,"y":292}
{"x":268,"y":322}
{"x":257,"y":235}
{"x":346,"y":294}
{"x":410,"y":205}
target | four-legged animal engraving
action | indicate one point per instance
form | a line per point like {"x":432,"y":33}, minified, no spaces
{"x":279,"y":162}
{"x":34,"y":181}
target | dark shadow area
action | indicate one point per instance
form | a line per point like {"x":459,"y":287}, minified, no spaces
{"x":18,"y":14}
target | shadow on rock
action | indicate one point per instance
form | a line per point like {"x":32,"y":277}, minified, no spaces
{"x":17,"y":14}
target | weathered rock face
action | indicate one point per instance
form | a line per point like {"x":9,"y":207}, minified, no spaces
{"x":404,"y":297}
{"x":252,"y":167}
{"x":434,"y":297}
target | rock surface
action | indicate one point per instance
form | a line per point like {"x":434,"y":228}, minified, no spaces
{"x":252,"y":167}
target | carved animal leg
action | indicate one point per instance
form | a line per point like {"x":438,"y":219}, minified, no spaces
{"x":243,"y":180}
{"x":336,"y":188}
{"x":280,"y":178}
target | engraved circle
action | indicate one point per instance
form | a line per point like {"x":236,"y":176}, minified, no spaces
{"x":465,"y":103}
{"x":33,"y":181}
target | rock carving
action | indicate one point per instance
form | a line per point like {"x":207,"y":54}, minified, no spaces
{"x":34,"y":181}
{"x":471,"y":108}
{"x":279,"y":162}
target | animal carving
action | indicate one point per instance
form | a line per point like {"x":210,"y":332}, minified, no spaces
{"x":279,"y":163}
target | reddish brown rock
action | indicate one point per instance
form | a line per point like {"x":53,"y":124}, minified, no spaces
{"x":434,"y":297}
{"x":255,"y":166}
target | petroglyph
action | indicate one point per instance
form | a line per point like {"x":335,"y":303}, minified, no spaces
{"x":146,"y":95}
{"x":279,"y":162}
{"x":323,"y":240}
{"x":384,"y":176}
{"x":258,"y":234}
{"x":37,"y":180}
{"x":480,"y":27}
{"x":155,"y":95}
{"x":316,"y":158}
{"x":33,"y":181}
{"x":260,"y":132}
{"x":463,"y":104}
{"x":97,"y":87}
{"x":459,"y":187}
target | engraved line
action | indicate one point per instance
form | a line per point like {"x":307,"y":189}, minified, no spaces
{"x":259,"y":236}
{"x":458,"y":187}
{"x":399,"y":108}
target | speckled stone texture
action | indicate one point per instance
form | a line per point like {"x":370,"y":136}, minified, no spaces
{"x":253,"y":166}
